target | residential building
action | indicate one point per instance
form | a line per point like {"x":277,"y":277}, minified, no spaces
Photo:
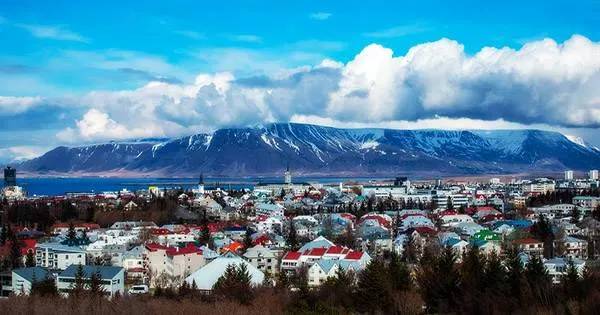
{"x":557,"y":268}
{"x":569,"y":175}
{"x":112,"y":279}
{"x":24,"y":278}
{"x":530,"y":246}
{"x":206,"y":277}
{"x":58,"y":256}
{"x":262,"y":258}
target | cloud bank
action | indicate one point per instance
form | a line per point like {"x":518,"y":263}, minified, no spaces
{"x":543,"y":83}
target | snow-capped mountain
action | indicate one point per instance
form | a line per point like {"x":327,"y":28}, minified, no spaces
{"x":310,"y":149}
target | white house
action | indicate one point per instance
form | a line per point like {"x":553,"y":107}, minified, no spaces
{"x":112,"y":279}
{"x":23,"y":278}
{"x":58,"y":256}
{"x":557,"y":267}
{"x":269,"y":209}
{"x":262,"y":258}
{"x":206,"y":277}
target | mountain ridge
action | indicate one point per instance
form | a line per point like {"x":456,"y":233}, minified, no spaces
{"x":313,"y":149}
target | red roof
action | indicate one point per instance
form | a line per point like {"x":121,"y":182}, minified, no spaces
{"x":485,"y":208}
{"x":160,"y":231}
{"x":425,"y":230}
{"x":155,"y":246}
{"x":292,"y":256}
{"x":527,"y":240}
{"x":136,"y":269}
{"x":354,"y":255}
{"x":315,"y":252}
{"x":336,"y":250}
{"x":189,"y":249}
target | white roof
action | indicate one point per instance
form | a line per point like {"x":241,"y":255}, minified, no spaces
{"x":207,"y":276}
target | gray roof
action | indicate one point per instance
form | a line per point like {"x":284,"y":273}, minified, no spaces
{"x":106,"y":272}
{"x":29,"y":273}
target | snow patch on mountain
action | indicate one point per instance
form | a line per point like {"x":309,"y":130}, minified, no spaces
{"x":369,"y":145}
{"x":576,"y":140}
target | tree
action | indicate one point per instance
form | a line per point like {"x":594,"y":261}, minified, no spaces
{"x":235,"y":284}
{"x":247,"y":239}
{"x":292,"y":238}
{"x":411,"y":249}
{"x":44,"y":287}
{"x":71,"y":235}
{"x":78,"y":287}
{"x":570,"y":281}
{"x":449,"y":203}
{"x":30,"y":259}
{"x":575,"y":214}
{"x":538,"y":280}
{"x":398,"y":272}
{"x":96,"y":284}
{"x":439,"y":282}
{"x":3,"y":235}
{"x":15,"y":249}
{"x":373,"y":290}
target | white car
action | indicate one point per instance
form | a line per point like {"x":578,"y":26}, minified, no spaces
{"x":138,"y":289}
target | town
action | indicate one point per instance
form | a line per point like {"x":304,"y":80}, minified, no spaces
{"x":170,"y":242}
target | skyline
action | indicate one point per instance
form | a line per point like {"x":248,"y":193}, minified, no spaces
{"x":73,"y":73}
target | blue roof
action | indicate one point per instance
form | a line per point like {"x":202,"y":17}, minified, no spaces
{"x":106,"y":272}
{"x":326,"y":264}
{"x":345,"y":265}
{"x":29,"y":273}
{"x":452,"y":241}
{"x":513,"y":223}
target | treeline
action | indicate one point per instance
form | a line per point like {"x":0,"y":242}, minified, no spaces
{"x":440,"y":283}
{"x":560,"y":196}
{"x":41,"y":216}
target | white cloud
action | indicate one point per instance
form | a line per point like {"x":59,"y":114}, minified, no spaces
{"x":56,"y":32}
{"x":397,"y":31}
{"x":21,"y":153}
{"x":436,"y":85}
{"x":320,"y":16}
{"x":10,"y":105}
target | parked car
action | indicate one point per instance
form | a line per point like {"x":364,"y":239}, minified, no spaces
{"x":138,"y":289}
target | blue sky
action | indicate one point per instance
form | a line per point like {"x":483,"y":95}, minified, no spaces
{"x":69,"y":68}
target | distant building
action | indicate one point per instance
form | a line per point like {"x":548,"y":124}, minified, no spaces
{"x":112,"y":279}
{"x":23,"y":278}
{"x":58,"y":256}
{"x":10,"y":177}
{"x":569,"y":175}
{"x":593,"y":174}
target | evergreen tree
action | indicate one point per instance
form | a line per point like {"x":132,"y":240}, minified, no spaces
{"x":79,"y":285}
{"x":292,"y":238}
{"x":44,"y":287}
{"x":439,"y":282}
{"x":30,"y":259}
{"x":235,"y":284}
{"x":247,"y":239}
{"x":15,"y":249}
{"x":571,"y":281}
{"x":410,"y":253}
{"x":495,"y":274}
{"x":96,"y":284}
{"x":71,"y":235}
{"x":3,"y":235}
{"x":449,"y":203}
{"x":373,"y":290}
{"x":538,"y":280}
{"x":398,"y":272}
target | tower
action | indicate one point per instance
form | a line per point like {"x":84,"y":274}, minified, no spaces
{"x":10,"y":177}
{"x":593,"y":174}
{"x":569,"y":175}
{"x":201,"y":185}
{"x":288,"y":176}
